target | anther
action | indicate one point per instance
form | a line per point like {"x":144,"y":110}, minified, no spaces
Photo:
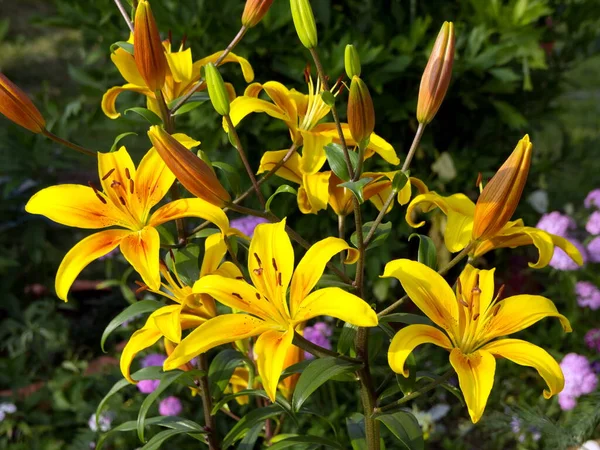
{"x":258,"y":260}
{"x":307,"y":72}
{"x":237,"y":295}
{"x":108,"y":174}
{"x":476,"y":316}
{"x":122,"y":200}
{"x":497,"y":309}
{"x":279,"y":279}
{"x":102,"y":199}
{"x":115,"y":183}
{"x":183,"y":41}
{"x":275,"y":264}
{"x":479,"y":179}
{"x":500,"y":292}
{"x":258,"y":295}
{"x":142,"y":287}
{"x":239,"y":278}
{"x":258,"y":271}
{"x":131,"y":186}
{"x":127,"y":173}
{"x":462,"y":301}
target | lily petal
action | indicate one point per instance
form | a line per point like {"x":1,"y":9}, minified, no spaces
{"x":242,"y":106}
{"x":190,"y":207}
{"x":314,"y":193}
{"x":143,"y":338}
{"x":313,"y":153}
{"x":83,"y":253}
{"x":281,"y":97}
{"x":109,"y":98}
{"x":168,"y":322}
{"x":116,"y":170}
{"x":527,"y":354}
{"x":475,"y":377}
{"x":220,"y":330}
{"x":247,"y":70}
{"x":271,"y":349}
{"x":468,"y":278}
{"x":410,"y":337}
{"x":214,"y":250}
{"x":312,"y":265}
{"x":180,"y":64}
{"x":125,"y":63}
{"x":338,"y":303}
{"x":289,"y":171}
{"x":141,"y":250}
{"x":427,"y":289}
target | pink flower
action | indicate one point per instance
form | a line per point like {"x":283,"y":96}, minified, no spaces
{"x":170,"y":406}
{"x":580,"y":379}
{"x":587,"y":295}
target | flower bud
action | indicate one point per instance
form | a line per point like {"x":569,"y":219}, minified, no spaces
{"x":193,"y":173}
{"x":351,"y":61}
{"x":501,"y":195}
{"x":16,"y":106}
{"x":254,"y":11}
{"x":304,"y":21}
{"x":148,"y":51}
{"x":217,"y":92}
{"x":436,"y":77}
{"x":361,"y":114}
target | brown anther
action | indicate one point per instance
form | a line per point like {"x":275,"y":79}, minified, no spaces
{"x":339,"y":80}
{"x":479,"y":180}
{"x":258,"y":271}
{"x":258,"y":260}
{"x":476,"y":316}
{"x":500,"y":292}
{"x":258,"y":295}
{"x":275,"y":264}
{"x":122,"y":200}
{"x":108,"y":174}
{"x":142,"y":287}
{"x":115,"y":183}
{"x":131,"y":186}
{"x":279,"y":279}
{"x":102,"y":199}
{"x":237,"y":295}
{"x":183,"y":41}
{"x":239,"y":278}
{"x":458,"y":286}
{"x":496,"y":309}
{"x":127,"y":174}
{"x":307,"y":72}
{"x":463,"y":302}
{"x":163,"y":264}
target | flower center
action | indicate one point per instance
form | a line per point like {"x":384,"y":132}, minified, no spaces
{"x":316,"y":108}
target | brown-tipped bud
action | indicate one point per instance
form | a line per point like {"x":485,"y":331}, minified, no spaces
{"x":500,"y":197}
{"x":304,"y":21}
{"x":219,"y":97}
{"x":351,"y":61}
{"x":195,"y":175}
{"x":148,"y":51}
{"x":361,"y":114}
{"x":16,"y":106}
{"x":437,"y":74}
{"x":254,"y":11}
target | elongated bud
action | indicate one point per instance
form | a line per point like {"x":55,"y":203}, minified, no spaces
{"x":351,"y":61}
{"x":361,"y":114}
{"x":195,"y":175}
{"x":148,"y":51}
{"x":437,"y":74}
{"x":16,"y":106}
{"x":254,"y":11}
{"x":500,"y":197}
{"x":216,"y":89}
{"x":304,"y":21}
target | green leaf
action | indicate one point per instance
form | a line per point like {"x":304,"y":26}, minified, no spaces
{"x":450,"y":388}
{"x":118,"y":139}
{"x":279,"y":400}
{"x":186,"y":263}
{"x":357,"y":187}
{"x":284,"y":188}
{"x":190,"y":105}
{"x":316,"y":374}
{"x":406,"y":318}
{"x":355,"y":424}
{"x":122,"y":44}
{"x":400,"y":180}
{"x":405,"y":427}
{"x":232,"y":175}
{"x":337,"y":162}
{"x":382,"y":232}
{"x":328,"y":98}
{"x":295,"y":368}
{"x":294,"y":441}
{"x":150,"y":116}
{"x":249,"y":440}
{"x":222,"y":367}
{"x":427,"y":251}
{"x":346,"y":340}
{"x":198,"y":97}
{"x":407,"y":384}
{"x":247,"y":422}
{"x":131,"y":311}
{"x":158,"y":439}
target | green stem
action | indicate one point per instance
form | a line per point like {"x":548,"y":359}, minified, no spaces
{"x":413,"y":147}
{"x":209,"y":420}
{"x":367,"y":391}
{"x":361,"y":161}
{"x":68,"y":144}
{"x":319,"y":351}
{"x":124,"y":14}
{"x":380,"y":217}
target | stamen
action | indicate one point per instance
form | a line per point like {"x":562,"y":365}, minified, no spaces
{"x":258,"y":271}
{"x":479,"y":179}
{"x":127,"y":173}
{"x":108,"y":174}
{"x":497,"y":309}
{"x":102,"y":199}
{"x":183,"y":41}
{"x":258,"y":260}
{"x":279,"y":279}
{"x":307,"y":72}
{"x":476,"y":316}
{"x":142,"y":287}
{"x":122,"y":200}
{"x":275,"y":264}
{"x":237,"y":295}
{"x":258,"y":295}
{"x":131,"y":186}
{"x":239,"y":278}
{"x":115,"y":183}
{"x":500,"y":293}
{"x":463,"y":302}
{"x":458,"y":287}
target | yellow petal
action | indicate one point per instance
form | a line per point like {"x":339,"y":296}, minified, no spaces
{"x":294,"y":356}
{"x":214,"y":250}
{"x":168,"y":321}
{"x":427,"y":289}
{"x":338,"y":303}
{"x":316,"y":192}
{"x":153,"y":180}
{"x":313,"y":152}
{"x":242,"y":106}
{"x":140,"y":340}
{"x":475,"y":377}
{"x":83,"y":253}
{"x":410,"y":337}
{"x":229,"y":270}
{"x":271,"y":349}
{"x":125,"y":63}
{"x":220,"y":330}
{"x":281,"y":97}
{"x":289,"y":171}
{"x":271,"y":263}
{"x":190,"y":207}
{"x":180,"y":64}
{"x":521,"y":311}
{"x":527,"y":354}
{"x":109,"y":98}
{"x":247,"y":70}
{"x":311,"y":267}
{"x":469,"y":276}
{"x":116,"y":170}
{"x":141,"y":250}
{"x":76,"y":206}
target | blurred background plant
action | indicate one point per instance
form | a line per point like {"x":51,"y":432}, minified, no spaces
{"x":522,"y":66}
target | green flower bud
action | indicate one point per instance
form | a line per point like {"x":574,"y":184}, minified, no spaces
{"x":216,"y":89}
{"x":352,"y":61}
{"x":304,"y":21}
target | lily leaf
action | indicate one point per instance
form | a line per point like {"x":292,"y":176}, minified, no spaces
{"x":221,"y":369}
{"x":281,"y":189}
{"x":355,"y":424}
{"x":122,"y":44}
{"x":382,"y":232}
{"x":136,"y":309}
{"x":247,"y":422}
{"x":337,"y":162}
{"x":357,"y":187}
{"x":150,"y":116}
{"x":427,"y":250}
{"x":118,"y":139}
{"x":405,"y":427}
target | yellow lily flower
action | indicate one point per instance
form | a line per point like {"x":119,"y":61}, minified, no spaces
{"x":472,"y":320}
{"x":266,"y":310}
{"x":125,"y":201}
{"x":181,"y":74}
{"x":189,"y":311}
{"x":460,"y":211}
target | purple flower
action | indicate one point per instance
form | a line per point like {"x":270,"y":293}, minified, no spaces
{"x":318,"y":334}
{"x":147,"y":386}
{"x":587,"y":295}
{"x":593,"y":249}
{"x":561,"y":261}
{"x":556,"y":223}
{"x":580,"y":379}
{"x":592,"y":199}
{"x":104,"y":421}
{"x":593,"y":224}
{"x":247,"y":224}
{"x":592,"y":339}
{"x":170,"y":406}
{"x":153,"y":359}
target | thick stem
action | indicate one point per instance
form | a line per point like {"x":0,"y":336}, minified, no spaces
{"x":361,"y":161}
{"x":319,"y":351}
{"x":413,"y":147}
{"x":380,"y":217}
{"x":367,"y":392}
{"x":124,"y":14}
{"x":341,"y":235}
{"x":209,"y":420}
{"x":242,"y":153}
{"x":68,"y":144}
{"x":238,"y":37}
{"x":359,"y":281}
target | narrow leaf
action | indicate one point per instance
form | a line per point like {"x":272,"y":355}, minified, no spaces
{"x":122,"y":44}
{"x":405,"y":427}
{"x":427,"y":251}
{"x":281,"y":189}
{"x":248,"y":422}
{"x":136,"y":309}
{"x":198,"y":97}
{"x":382,"y":232}
{"x":118,"y":139}
{"x":337,"y":162}
{"x":399,"y":180}
{"x":406,"y":318}
{"x":355,"y":424}
{"x":249,"y":440}
{"x":158,"y":439}
{"x":221,"y":369}
{"x":294,"y":441}
{"x":346,"y":341}
{"x":150,"y":116}
{"x":357,"y":187}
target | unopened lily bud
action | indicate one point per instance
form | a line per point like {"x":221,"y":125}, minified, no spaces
{"x":500,"y":197}
{"x":304,"y":21}
{"x":437,"y":74}
{"x":16,"y":106}
{"x":193,"y":173}
{"x":351,"y":61}
{"x":361,"y":114}
{"x":148,"y":51}
{"x":254,"y":11}
{"x":217,"y":91}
